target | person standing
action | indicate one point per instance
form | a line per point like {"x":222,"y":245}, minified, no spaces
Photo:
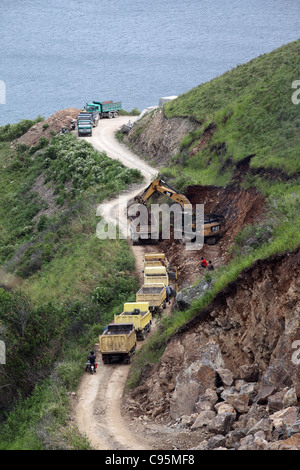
{"x":210,"y":266}
{"x":169,"y":293}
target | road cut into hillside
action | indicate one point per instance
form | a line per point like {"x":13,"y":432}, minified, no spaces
{"x":97,"y":405}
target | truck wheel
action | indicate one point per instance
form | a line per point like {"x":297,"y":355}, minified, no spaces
{"x":116,"y":115}
{"x":110,"y":115}
{"x":211,"y":240}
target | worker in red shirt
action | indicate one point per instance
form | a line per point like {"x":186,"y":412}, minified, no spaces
{"x":203,"y":262}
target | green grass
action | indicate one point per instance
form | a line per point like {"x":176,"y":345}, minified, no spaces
{"x":67,"y":283}
{"x":253,"y":113}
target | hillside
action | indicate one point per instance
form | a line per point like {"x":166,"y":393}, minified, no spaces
{"x":59,"y":284}
{"x":246,"y":111}
{"x":231,"y":144}
{"x":218,"y":369}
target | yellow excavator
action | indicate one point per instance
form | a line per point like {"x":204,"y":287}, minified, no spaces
{"x":214,"y":224}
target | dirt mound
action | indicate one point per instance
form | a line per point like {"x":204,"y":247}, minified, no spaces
{"x":55,"y":123}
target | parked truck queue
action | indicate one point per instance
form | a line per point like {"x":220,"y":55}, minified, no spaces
{"x":90,"y":116}
{"x":119,"y":339}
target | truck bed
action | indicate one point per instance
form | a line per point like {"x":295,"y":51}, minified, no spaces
{"x":154,"y":294}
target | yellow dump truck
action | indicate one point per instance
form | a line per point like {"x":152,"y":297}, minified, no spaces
{"x":156,"y":275}
{"x":154,"y":295}
{"x":118,"y":342}
{"x":156,"y":260}
{"x":139,"y":314}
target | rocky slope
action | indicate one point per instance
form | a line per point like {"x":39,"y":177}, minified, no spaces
{"x":157,"y":138}
{"x":230,"y":378}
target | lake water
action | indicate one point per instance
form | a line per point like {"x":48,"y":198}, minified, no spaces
{"x":57,"y":54}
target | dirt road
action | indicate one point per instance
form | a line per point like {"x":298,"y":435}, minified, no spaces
{"x":97,"y":409}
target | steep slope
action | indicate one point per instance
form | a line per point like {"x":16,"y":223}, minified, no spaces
{"x":239,"y":158}
{"x":230,"y":376}
{"x":247,"y":111}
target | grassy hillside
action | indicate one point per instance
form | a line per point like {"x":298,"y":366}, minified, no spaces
{"x":60,"y":284}
{"x":249,"y":111}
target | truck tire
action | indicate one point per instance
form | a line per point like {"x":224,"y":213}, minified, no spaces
{"x":211,"y":240}
{"x":116,"y":114}
{"x":110,"y":115}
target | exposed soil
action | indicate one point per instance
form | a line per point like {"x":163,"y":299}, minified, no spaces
{"x":157,"y":138}
{"x":239,"y":207}
{"x":55,"y":123}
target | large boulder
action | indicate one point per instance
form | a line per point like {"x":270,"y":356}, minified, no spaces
{"x":186,"y":296}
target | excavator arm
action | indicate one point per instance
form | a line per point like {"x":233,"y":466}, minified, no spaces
{"x":164,"y":188}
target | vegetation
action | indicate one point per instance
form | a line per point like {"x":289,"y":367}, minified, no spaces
{"x":10,"y":132}
{"x":133,"y":112}
{"x":62,"y":284}
{"x":252,"y":112}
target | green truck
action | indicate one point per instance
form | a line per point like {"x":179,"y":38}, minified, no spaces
{"x":108,"y":109}
{"x":84,"y":128}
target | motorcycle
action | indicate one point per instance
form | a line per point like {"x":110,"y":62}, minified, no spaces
{"x":92,"y":368}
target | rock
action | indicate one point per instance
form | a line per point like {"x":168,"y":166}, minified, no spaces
{"x":264,"y":393}
{"x":203,"y":419}
{"x":187,"y":421}
{"x":185,"y":297}
{"x":263,"y":425}
{"x":249,"y":389}
{"x":292,"y":443}
{"x":290,"y":398}
{"x":249,"y":372}
{"x":259,"y":441}
{"x":224,"y":407}
{"x":216,"y":442}
{"x":225,"y":376}
{"x":183,"y":399}
{"x":233,"y":438}
{"x":221,"y":424}
{"x":203,"y":406}
{"x":238,"y":385}
{"x":228,"y":392}
{"x":245,"y":442}
{"x":239,"y":401}
{"x":248,"y":420}
{"x":194,"y":380}
{"x":293,"y":429}
{"x":286,"y":417}
{"x":210,"y":395}
{"x":275,"y":401}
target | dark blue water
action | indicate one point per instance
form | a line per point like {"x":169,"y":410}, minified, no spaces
{"x":57,"y":54}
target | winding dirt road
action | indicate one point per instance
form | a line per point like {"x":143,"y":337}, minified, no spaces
{"x":97,"y":407}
